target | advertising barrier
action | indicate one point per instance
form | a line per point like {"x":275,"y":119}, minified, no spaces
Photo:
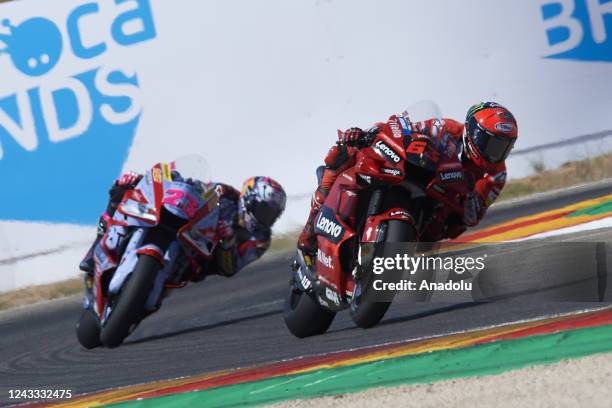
{"x":91,"y":88}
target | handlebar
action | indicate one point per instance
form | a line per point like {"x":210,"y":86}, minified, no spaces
{"x":365,"y":141}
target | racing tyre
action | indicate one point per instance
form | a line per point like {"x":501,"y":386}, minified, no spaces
{"x":128,"y":310}
{"x":368,"y":314}
{"x":88,"y":330}
{"x":303,"y":316}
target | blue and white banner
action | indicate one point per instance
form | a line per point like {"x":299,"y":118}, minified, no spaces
{"x":66,"y":128}
{"x":578,"y":29}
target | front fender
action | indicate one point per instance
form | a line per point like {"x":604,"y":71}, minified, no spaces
{"x":128,"y":261}
{"x":374,"y":230}
{"x":169,"y":258}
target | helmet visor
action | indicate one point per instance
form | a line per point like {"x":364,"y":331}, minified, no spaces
{"x":494,"y":148}
{"x":265,"y":214}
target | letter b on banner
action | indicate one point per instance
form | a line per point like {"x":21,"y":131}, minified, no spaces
{"x":578,"y":29}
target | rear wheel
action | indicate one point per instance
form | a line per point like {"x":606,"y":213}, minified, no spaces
{"x":128,"y":310}
{"x":367,"y":314}
{"x":303,"y":316}
{"x":88,"y":329}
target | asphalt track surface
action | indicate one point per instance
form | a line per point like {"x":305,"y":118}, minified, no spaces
{"x":228,"y":323}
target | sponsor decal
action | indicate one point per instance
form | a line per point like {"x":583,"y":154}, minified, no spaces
{"x":59,"y":116}
{"x":304,"y":281}
{"x":157,"y":175}
{"x":324,"y":259}
{"x":328,"y":225}
{"x":322,"y":301}
{"x":439,"y":188}
{"x":405,"y":127}
{"x":578,"y":29}
{"x":366,"y":178}
{"x":346,"y":176}
{"x":395,"y":128}
{"x":504,"y":127}
{"x":373,"y":130}
{"x":387,"y":152}
{"x":369,"y":233}
{"x":167,"y":173}
{"x":451,"y":176}
{"x":417,"y":147}
{"x":332,"y":296}
{"x":400,"y":213}
{"x":391,"y":171}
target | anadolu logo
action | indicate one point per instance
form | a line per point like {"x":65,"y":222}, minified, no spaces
{"x":578,"y":29}
{"x":65,"y":139}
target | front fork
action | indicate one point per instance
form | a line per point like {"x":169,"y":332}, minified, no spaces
{"x":88,"y":291}
{"x":375,"y":228}
{"x":129,"y":258}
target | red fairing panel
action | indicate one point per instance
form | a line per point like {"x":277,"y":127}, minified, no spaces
{"x":372,"y":230}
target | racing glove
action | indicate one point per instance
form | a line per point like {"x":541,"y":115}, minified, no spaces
{"x":124,"y":183}
{"x":129,"y":179}
{"x":350,"y":136}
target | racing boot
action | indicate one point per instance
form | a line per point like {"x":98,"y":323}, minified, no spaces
{"x":87,"y":264}
{"x":307,"y":241}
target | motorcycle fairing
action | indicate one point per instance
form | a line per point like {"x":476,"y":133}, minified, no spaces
{"x":158,"y":287}
{"x":128,"y":262}
{"x":200,"y":234}
{"x":373,"y":230}
{"x":141,"y":208}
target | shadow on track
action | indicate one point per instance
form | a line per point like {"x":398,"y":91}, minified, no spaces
{"x":204,"y":327}
{"x":406,"y":317}
{"x":431,"y":312}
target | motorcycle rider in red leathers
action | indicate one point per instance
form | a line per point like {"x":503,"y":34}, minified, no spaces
{"x":482,"y":143}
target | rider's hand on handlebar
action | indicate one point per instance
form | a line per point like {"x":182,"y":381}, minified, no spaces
{"x":355,"y":137}
{"x":129,"y":179}
{"x":350,"y":136}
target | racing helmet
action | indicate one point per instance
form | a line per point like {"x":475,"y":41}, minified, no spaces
{"x":490,"y":134}
{"x":262,"y":201}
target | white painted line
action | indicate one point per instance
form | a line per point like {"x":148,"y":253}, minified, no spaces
{"x":269,"y":387}
{"x":321,"y":380}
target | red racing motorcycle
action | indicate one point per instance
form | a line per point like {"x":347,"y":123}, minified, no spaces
{"x":400,"y":181}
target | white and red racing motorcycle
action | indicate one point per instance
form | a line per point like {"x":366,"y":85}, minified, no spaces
{"x":160,"y":227}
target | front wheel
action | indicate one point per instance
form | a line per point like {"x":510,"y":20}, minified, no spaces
{"x":368,"y":314}
{"x":303,"y":316}
{"x":128,"y":310}
{"x":88,"y":330}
